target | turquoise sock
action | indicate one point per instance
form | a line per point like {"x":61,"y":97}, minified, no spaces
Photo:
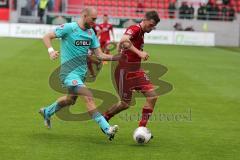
{"x":101,"y":121}
{"x":50,"y":110}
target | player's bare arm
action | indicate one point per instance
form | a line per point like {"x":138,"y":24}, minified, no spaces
{"x":126,"y":44}
{"x":106,"y":57}
{"x":113,"y":35}
{"x":47,"y":42}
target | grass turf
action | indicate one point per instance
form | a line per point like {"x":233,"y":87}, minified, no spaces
{"x":206,"y":81}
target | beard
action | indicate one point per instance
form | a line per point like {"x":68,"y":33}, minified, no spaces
{"x":87,"y":26}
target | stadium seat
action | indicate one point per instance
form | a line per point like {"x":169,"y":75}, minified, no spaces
{"x":4,"y":14}
{"x":120,"y":3}
{"x":127,"y":3}
{"x":114,"y":3}
{"x":100,"y":3}
{"x":108,"y":2}
{"x":126,"y":8}
{"x":147,"y":5}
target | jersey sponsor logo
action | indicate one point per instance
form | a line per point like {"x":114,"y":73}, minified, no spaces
{"x":146,"y":77}
{"x":82,"y":43}
{"x":129,"y":31}
{"x":105,"y":29}
{"x":89,"y":33}
{"x":97,"y":28}
{"x":74,"y":82}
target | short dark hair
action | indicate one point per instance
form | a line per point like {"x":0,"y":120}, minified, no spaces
{"x":152,"y":15}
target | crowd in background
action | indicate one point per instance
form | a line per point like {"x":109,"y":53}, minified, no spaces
{"x":212,"y":11}
{"x":209,"y":11}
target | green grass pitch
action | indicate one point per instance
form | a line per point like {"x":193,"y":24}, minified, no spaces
{"x":206,"y":81}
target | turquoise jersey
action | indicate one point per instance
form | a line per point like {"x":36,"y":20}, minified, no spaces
{"x":75,"y":44}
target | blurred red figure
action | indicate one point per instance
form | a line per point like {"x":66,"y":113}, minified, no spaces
{"x":104,"y":34}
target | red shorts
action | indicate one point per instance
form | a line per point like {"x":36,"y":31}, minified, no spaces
{"x":127,"y":82}
{"x":103,"y":43}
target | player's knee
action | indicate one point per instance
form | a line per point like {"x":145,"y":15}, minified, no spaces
{"x":155,"y":98}
{"x":152,"y":100}
{"x":88,"y":99}
{"x":125,"y":105}
{"x":71,"y":100}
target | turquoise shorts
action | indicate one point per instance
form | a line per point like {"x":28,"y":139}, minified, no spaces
{"x":73,"y":81}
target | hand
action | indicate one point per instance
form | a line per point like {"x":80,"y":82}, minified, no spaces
{"x":144,"y":55}
{"x":53,"y":55}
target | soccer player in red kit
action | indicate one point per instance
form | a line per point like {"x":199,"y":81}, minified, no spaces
{"x":104,"y":36}
{"x":128,"y":74}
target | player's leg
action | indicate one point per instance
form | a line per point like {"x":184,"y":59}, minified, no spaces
{"x":93,"y":112}
{"x":116,"y":108}
{"x":151,"y":98}
{"x":147,"y":88}
{"x":102,"y":44}
{"x":106,"y":46}
{"x":50,"y":110}
{"x":61,"y":102}
{"x":69,"y":82}
{"x":103,"y":47}
{"x":124,"y":91}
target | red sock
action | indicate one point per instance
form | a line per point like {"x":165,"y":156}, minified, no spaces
{"x":146,"y":113}
{"x":107,"y":116}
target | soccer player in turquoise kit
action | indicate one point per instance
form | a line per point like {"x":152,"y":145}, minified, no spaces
{"x":76,"y":39}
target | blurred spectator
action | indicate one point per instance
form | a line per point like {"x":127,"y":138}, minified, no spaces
{"x":201,"y":12}
{"x":224,"y":13}
{"x":50,"y":5}
{"x":4,"y":3}
{"x":191,"y":12}
{"x":225,"y":2}
{"x":140,"y":7}
{"x":171,"y":10}
{"x":41,"y":9}
{"x":59,"y":20}
{"x":28,"y":8}
{"x":14,"y":4}
{"x":215,"y":12}
{"x":231,"y":14}
{"x":178,"y":27}
{"x":209,"y":10}
{"x":189,"y":28}
{"x":62,"y":6}
{"x":183,"y":11}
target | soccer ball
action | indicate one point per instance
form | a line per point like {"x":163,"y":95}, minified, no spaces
{"x":142,"y":135}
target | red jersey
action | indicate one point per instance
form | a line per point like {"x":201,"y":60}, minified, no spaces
{"x":128,"y":75}
{"x":95,"y":28}
{"x":105,"y":31}
{"x":137,"y":38}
